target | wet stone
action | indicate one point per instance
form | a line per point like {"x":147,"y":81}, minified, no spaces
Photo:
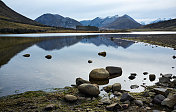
{"x":48,"y":56}
{"x":26,"y":55}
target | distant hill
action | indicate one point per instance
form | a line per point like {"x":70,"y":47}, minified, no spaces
{"x":13,"y":22}
{"x":7,"y":13}
{"x":168,"y":25}
{"x":114,"y":22}
{"x":57,"y":21}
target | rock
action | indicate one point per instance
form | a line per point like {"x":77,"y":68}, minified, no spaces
{"x":131,"y":77}
{"x":175,"y":107}
{"x":134,"y":86}
{"x":26,"y":55}
{"x":145,"y":73}
{"x":173,"y":57}
{"x":106,"y":101}
{"x":80,"y":81}
{"x":174,"y":77}
{"x":133,"y":74}
{"x":158,"y":99}
{"x":99,"y":74}
{"x":48,"y":56}
{"x":152,"y":77}
{"x":138,"y":102}
{"x":116,"y":93}
{"x":164,"y":80}
{"x":162,"y":91}
{"x":167,"y":76}
{"x":70,"y":98}
{"x":170,"y":102}
{"x":102,"y":54}
{"x":148,"y":108}
{"x":173,"y":84}
{"x":50,"y":107}
{"x":126,"y":96}
{"x":89,"y":89}
{"x":146,"y":94}
{"x":145,"y":78}
{"x":89,"y":61}
{"x":114,"y":70}
{"x":116,"y":87}
{"x":125,"y":106}
{"x":107,"y":88}
{"x":127,"y":102}
{"x":114,"y":106}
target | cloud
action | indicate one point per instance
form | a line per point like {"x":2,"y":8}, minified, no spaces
{"x":89,"y":9}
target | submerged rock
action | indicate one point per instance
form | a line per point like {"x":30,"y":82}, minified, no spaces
{"x":102,"y":54}
{"x":48,"y":56}
{"x":89,"y":89}
{"x":131,"y":77}
{"x":173,"y":57}
{"x":134,"y":86}
{"x":152,"y":77}
{"x":99,"y":74}
{"x":89,"y":61}
{"x":80,"y":81}
{"x":114,"y":70}
{"x":145,"y":73}
{"x":26,"y":55}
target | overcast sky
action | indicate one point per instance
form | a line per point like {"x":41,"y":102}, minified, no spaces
{"x":140,"y":10}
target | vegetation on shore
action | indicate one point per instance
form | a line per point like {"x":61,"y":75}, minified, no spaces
{"x":162,"y":40}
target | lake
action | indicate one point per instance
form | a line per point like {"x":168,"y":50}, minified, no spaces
{"x":70,"y":55}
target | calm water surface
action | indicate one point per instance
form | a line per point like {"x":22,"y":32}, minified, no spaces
{"x":69,"y":61}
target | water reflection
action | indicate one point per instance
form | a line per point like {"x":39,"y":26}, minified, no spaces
{"x":59,"y":43}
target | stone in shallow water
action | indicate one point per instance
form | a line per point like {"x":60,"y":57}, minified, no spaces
{"x":134,"y":86}
{"x":152,"y":77}
{"x":48,"y":56}
{"x":80,"y":81}
{"x":114,"y":70}
{"x":90,"y":61}
{"x":145,"y":73}
{"x":131,"y":77}
{"x":26,"y":55}
{"x":99,"y":74}
{"x":102,"y":54}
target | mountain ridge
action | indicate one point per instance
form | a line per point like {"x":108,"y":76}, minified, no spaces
{"x":57,"y":20}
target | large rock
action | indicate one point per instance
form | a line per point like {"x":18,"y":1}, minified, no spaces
{"x":152,"y":77}
{"x":99,"y":74}
{"x":164,"y":80}
{"x":116,"y":87}
{"x":126,"y":96}
{"x":162,"y":91}
{"x":80,"y":81}
{"x":170,"y":102}
{"x":114,"y":70}
{"x":70,"y":98}
{"x":89,"y":89}
{"x":158,"y":99}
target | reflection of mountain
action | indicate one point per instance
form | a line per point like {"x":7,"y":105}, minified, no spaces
{"x":59,"y":43}
{"x":9,"y":47}
{"x":114,"y":42}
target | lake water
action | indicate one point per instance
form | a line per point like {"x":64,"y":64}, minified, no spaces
{"x":70,"y":57}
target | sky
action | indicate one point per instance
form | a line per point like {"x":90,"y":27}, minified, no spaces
{"x":140,"y":10}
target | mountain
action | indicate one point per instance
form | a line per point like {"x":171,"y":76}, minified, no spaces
{"x":13,"y":22}
{"x":167,"y":25}
{"x":159,"y":20}
{"x":7,"y":13}
{"x":57,"y":21}
{"x":114,"y":22}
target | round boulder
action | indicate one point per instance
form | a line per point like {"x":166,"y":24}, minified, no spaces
{"x":99,"y":74}
{"x":114,"y":70}
{"x":116,"y":87}
{"x":89,"y":89}
{"x":70,"y":98}
{"x":152,"y":77}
